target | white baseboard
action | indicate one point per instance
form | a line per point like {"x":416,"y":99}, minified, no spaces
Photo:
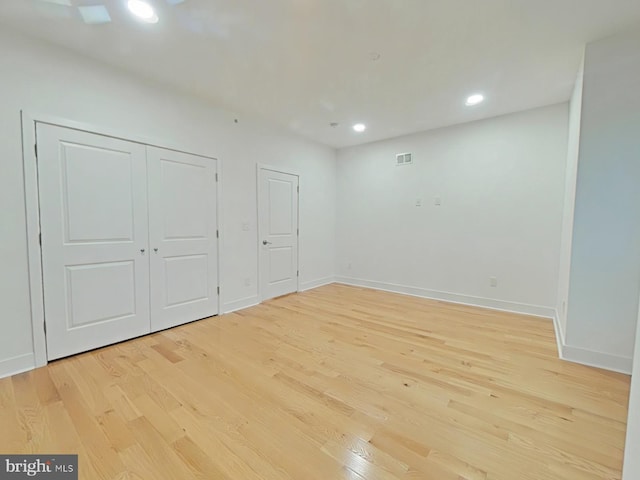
{"x":15,"y":365}
{"x":591,"y":358}
{"x":502,"y":305}
{"x":304,"y":286}
{"x":240,"y":304}
{"x":603,"y":360}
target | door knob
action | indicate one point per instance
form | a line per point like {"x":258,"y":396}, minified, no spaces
{"x":155,"y":250}
{"x":264,"y":242}
{"x":142,"y":251}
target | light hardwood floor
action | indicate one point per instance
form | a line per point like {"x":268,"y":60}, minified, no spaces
{"x":335,"y":383}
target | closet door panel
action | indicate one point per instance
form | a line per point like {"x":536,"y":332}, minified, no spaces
{"x":182,"y":226}
{"x":94,"y":227}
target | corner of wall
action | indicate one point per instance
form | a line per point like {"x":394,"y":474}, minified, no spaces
{"x":559,"y":333}
{"x":241,"y":304}
{"x":590,"y":358}
{"x":253,"y":300}
{"x":317,"y":283}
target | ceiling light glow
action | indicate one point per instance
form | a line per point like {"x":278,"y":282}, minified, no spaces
{"x":474,"y":100}
{"x":143,"y":11}
{"x":359,"y":127}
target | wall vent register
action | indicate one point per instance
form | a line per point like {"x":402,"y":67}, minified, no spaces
{"x":404,"y":159}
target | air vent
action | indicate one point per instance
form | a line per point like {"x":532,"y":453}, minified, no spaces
{"x":403,"y":159}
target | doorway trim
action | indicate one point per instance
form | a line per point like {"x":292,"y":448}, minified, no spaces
{"x":263,"y":166}
{"x":28,"y":120}
{"x":631,"y":465}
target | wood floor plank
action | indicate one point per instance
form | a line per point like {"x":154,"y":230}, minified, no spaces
{"x":338,"y":382}
{"x":29,"y":410}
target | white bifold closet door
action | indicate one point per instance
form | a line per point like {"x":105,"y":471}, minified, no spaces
{"x":182,"y":228}
{"x":94,"y":227}
{"x":128,"y":238}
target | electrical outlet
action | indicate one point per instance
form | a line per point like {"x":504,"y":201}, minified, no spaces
{"x":245,"y":227}
{"x":493,"y":281}
{"x":438,"y":201}
{"x":418,"y":202}
{"x":247,"y":282}
{"x":349,"y":266}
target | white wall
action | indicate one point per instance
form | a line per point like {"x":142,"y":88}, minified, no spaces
{"x":501,"y":185}
{"x":605,"y":258}
{"x":575,"y":113}
{"x":44,"y":79}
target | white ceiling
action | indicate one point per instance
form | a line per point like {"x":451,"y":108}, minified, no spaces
{"x":302,"y":64}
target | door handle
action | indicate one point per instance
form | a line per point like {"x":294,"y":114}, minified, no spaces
{"x":264,"y":242}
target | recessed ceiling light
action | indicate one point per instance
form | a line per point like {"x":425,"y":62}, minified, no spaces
{"x":143,"y":11}
{"x":94,"y":14}
{"x":359,"y":127}
{"x":474,"y":100}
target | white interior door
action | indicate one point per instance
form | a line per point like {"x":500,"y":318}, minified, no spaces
{"x":95,"y":260}
{"x":183,"y":237}
{"x":278,"y":229}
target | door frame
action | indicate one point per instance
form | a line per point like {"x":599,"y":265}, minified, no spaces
{"x":631,"y":466}
{"x":28,"y":120}
{"x":287,"y":171}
